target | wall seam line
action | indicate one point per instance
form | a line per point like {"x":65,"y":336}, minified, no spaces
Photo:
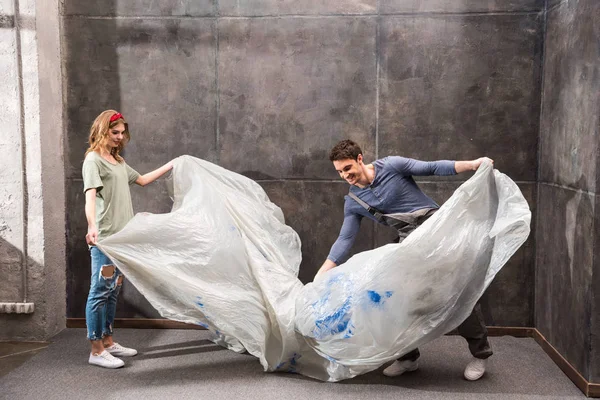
{"x":218,"y":91}
{"x":554,"y":7}
{"x":539,"y":158}
{"x":572,"y":189}
{"x":314,"y":16}
{"x":377,"y":77}
{"x":25,"y":189}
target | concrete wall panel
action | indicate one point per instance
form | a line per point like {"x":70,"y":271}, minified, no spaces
{"x":292,"y":7}
{"x":571,"y":99}
{"x":290,"y":89}
{"x":121,"y":8}
{"x":459,"y":87}
{"x":459,"y":6}
{"x":564,"y":272}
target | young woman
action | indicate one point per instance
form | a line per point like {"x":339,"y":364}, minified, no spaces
{"x":108,"y":208}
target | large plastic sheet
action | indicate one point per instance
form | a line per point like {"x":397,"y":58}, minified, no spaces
{"x":223,"y":258}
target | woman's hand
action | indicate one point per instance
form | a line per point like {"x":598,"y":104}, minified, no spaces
{"x":150,"y":177}
{"x":92,"y":236}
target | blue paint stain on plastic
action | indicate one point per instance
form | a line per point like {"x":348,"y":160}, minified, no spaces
{"x":330,"y":282}
{"x":199,"y":302}
{"x":376,"y":299}
{"x":294,"y":359}
{"x":334,"y":323}
{"x":323,"y":300}
{"x":334,"y":279}
{"x":294,"y":363}
{"x":333,"y":360}
{"x":202,"y":324}
{"x":350,"y":331}
{"x":374,"y":296}
{"x":330,"y":321}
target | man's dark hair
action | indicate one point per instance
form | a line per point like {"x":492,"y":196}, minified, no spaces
{"x":344,"y":150}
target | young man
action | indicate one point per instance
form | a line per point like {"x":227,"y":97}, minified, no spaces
{"x":388,"y":186}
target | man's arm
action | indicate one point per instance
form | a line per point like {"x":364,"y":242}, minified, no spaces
{"x":327,"y":265}
{"x":412,"y":167}
{"x":462,"y":166}
{"x":344,"y":242}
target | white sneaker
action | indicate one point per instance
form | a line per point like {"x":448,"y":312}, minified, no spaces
{"x":117,"y":350}
{"x":475,"y":369}
{"x":106,"y":360}
{"x":400,"y":367}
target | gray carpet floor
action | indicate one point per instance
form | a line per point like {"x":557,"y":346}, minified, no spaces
{"x":183,"y":364}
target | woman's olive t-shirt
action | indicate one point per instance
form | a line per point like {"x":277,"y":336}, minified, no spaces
{"x":113,"y":198}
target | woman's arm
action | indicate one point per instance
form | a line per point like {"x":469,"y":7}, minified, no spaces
{"x":90,"y":213}
{"x":150,"y":177}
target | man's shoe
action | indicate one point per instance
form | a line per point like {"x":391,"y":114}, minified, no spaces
{"x":117,"y":350}
{"x":475,"y":369}
{"x":105,"y":360}
{"x":400,"y":367}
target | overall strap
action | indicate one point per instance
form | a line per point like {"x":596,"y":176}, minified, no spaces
{"x":373,"y":211}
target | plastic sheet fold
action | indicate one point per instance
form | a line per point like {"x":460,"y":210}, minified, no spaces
{"x":223,"y":258}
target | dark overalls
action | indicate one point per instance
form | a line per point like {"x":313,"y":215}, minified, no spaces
{"x":473,"y":329}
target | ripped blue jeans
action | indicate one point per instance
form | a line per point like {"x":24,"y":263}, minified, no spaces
{"x":102,"y":299}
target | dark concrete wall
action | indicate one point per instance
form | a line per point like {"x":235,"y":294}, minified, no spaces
{"x":567,"y":269}
{"x":595,"y":321}
{"x":266,"y":87}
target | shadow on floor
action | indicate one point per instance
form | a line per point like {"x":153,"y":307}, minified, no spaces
{"x":177,"y":349}
{"x":14,"y":354}
{"x":184,"y":363}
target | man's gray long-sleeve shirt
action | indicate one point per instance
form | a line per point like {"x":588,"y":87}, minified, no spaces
{"x":392,"y":191}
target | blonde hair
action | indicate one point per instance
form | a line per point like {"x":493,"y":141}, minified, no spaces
{"x":99,"y":133}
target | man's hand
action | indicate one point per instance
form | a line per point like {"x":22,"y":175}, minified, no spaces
{"x":327,"y":265}
{"x":92,"y":236}
{"x":463,"y":166}
{"x":477,"y":163}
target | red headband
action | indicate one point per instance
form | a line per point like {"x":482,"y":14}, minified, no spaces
{"x":116,"y":117}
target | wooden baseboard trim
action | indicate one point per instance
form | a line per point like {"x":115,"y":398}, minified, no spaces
{"x":593,"y":390}
{"x":503,"y":331}
{"x":510,"y":331}
{"x":589,"y":389}
{"x":138,"y":323}
{"x":145,"y":323}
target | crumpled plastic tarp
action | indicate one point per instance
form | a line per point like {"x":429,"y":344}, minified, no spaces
{"x":223,"y":258}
